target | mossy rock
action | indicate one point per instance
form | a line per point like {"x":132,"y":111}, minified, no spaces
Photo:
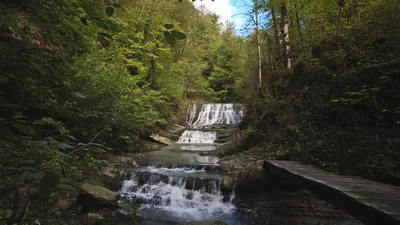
{"x":97,"y":197}
{"x":93,"y":219}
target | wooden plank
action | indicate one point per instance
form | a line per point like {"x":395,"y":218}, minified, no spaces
{"x":369,"y":201}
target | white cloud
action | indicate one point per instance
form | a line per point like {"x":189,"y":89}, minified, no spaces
{"x":222,"y":8}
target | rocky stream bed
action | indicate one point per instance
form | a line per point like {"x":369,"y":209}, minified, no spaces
{"x":186,"y":183}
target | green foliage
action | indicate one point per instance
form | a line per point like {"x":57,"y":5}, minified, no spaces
{"x":66,"y":187}
{"x":343,"y":79}
{"x":228,"y":67}
{"x":173,"y":36}
{"x":79,"y":75}
{"x":109,"y":11}
{"x":5,"y":213}
{"x":168,"y":26}
{"x":32,"y":176}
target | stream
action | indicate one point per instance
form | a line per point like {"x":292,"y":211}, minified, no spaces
{"x":179,"y":183}
{"x":182,"y":182}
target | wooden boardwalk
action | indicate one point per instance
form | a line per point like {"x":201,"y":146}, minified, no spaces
{"x":368,"y":201}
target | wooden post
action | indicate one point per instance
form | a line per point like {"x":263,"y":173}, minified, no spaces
{"x":340,"y":160}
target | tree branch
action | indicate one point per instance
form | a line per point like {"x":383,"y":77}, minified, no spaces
{"x":90,"y":142}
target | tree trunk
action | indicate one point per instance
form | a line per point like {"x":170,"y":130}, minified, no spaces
{"x":276,"y":34}
{"x":258,"y":48}
{"x":271,"y":62}
{"x":285,"y":36}
{"x":298,"y":26}
{"x":341,"y":4}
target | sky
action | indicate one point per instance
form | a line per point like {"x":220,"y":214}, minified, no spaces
{"x":229,"y":10}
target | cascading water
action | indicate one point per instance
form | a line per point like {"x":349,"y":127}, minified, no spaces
{"x":180,"y":186}
{"x":214,"y":114}
{"x":191,"y":113}
{"x":179,"y":194}
{"x":196,"y":136}
{"x":184,"y":182}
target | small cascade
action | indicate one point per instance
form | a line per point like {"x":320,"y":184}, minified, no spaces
{"x":214,"y":114}
{"x":191,"y":113}
{"x":197,"y":137}
{"x":181,"y":195}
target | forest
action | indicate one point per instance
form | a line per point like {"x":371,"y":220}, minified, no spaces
{"x":82,"y":79}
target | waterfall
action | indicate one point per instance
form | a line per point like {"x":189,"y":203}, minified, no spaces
{"x":196,"y":136}
{"x":178,"y":196}
{"x":214,"y":114}
{"x":184,"y":182}
{"x":191,"y":113}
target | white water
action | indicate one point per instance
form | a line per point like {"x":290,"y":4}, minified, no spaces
{"x":191,"y":113}
{"x":196,"y":136}
{"x":197,"y":147}
{"x":172,"y":200}
{"x":211,"y":114}
{"x":164,"y":170}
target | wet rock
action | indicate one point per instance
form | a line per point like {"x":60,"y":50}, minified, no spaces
{"x":226,"y":198}
{"x":157,"y":200}
{"x":143,"y":177}
{"x":147,"y":177}
{"x":99,"y":192}
{"x":112,"y":183}
{"x":157,"y":178}
{"x":126,"y":161}
{"x":93,"y":219}
{"x":251,"y":180}
{"x":189,"y":183}
{"x":109,"y":171}
{"x":247,"y":167}
{"x":111,"y":178}
{"x":228,"y":184}
{"x":162,"y":139}
{"x":216,"y":222}
{"x":198,"y":184}
{"x":96,"y":197}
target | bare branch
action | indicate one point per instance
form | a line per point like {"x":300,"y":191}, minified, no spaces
{"x":90,"y":142}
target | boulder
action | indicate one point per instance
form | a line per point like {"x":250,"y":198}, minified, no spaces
{"x":162,"y":139}
{"x":228,"y":184}
{"x":109,"y":171}
{"x":111,"y":178}
{"x":96,"y":197}
{"x":93,"y":219}
{"x":125,"y":161}
{"x":215,"y":222}
{"x":107,"y":213}
{"x":99,"y":192}
{"x":112,"y":183}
